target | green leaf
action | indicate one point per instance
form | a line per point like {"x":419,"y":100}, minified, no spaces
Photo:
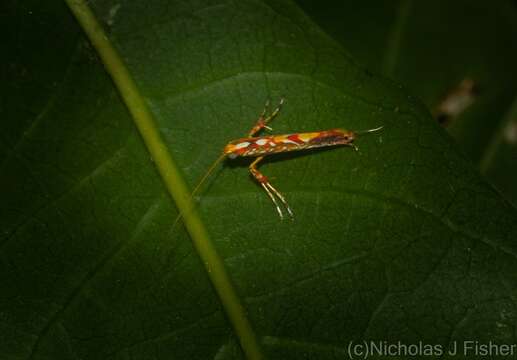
{"x":401,"y":241}
{"x":431,"y":46}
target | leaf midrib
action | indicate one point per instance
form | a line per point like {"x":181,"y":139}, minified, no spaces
{"x":170,"y":175}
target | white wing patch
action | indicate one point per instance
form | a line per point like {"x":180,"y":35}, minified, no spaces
{"x":242,"y":145}
{"x":261,"y":142}
{"x":289,"y":141}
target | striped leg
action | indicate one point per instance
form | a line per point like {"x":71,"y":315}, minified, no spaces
{"x":263,"y":120}
{"x":270,"y":190}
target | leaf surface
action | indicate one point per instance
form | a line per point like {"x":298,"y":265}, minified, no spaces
{"x":401,"y":241}
{"x":431,"y":46}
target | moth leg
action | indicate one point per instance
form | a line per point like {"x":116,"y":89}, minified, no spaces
{"x":266,"y":108}
{"x":263,"y":120}
{"x":272,"y":197}
{"x":282,"y":199}
{"x":270,"y":190}
{"x":275,"y":112}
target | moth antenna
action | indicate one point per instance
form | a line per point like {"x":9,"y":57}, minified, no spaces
{"x":207,"y":174}
{"x":369,"y":130}
{"x":201,"y":182}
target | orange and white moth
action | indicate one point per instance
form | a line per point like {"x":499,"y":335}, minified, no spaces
{"x":261,"y":146}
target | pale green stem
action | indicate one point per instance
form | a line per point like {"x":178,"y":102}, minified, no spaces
{"x":497,"y":138}
{"x":170,"y":175}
